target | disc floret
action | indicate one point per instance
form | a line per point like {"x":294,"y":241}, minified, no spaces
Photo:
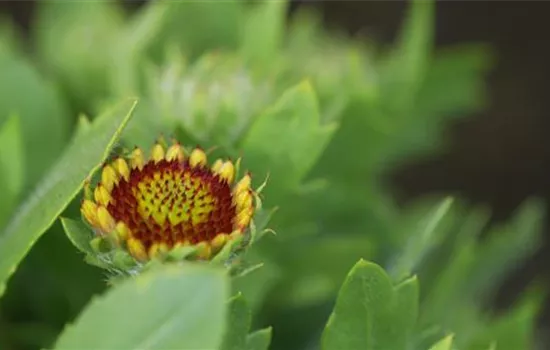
{"x":155,"y":205}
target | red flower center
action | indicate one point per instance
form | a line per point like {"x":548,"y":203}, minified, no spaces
{"x":170,"y":202}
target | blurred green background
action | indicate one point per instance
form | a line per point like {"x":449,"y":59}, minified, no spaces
{"x":496,"y":155}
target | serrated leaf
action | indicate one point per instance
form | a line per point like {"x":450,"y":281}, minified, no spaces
{"x":240,"y":318}
{"x":79,"y":234}
{"x":176,"y":307}
{"x":444,"y":344}
{"x":263,"y":31}
{"x":515,"y":329}
{"x":408,"y":65}
{"x":59,"y":187}
{"x":421,"y":241}
{"x":450,"y":273}
{"x":11,"y":166}
{"x":286,"y":140}
{"x":259,"y":340}
{"x":197,"y":27}
{"x":454,"y":82}
{"x":370,"y":313}
{"x":504,"y":247}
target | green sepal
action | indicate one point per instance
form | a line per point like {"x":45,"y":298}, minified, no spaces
{"x":124,"y":261}
{"x":180,"y":253}
{"x":79,"y":234}
{"x":100,"y":245}
{"x":96,"y":261}
{"x":229,"y":249}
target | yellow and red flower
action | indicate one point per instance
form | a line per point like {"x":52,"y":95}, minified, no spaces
{"x":153,"y":205}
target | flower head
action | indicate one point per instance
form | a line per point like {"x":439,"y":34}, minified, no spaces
{"x":171,"y":199}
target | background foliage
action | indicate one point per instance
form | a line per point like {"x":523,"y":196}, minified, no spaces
{"x":324,"y":114}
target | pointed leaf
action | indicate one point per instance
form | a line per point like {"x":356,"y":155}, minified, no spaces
{"x":370,"y":313}
{"x":286,"y":140}
{"x":421,"y":241}
{"x":263,"y":30}
{"x":408,"y":65}
{"x":59,"y":187}
{"x":199,"y":26}
{"x":505,"y":246}
{"x":259,"y":340}
{"x":176,"y":307}
{"x":238,"y":325}
{"x":444,"y":344}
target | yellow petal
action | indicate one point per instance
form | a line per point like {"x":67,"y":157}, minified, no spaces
{"x":105,"y":220}
{"x":181,"y":244}
{"x":243,"y":184}
{"x":157,"y":153}
{"x":137,"y":160}
{"x":204,"y":250}
{"x":243,"y":219}
{"x":102,"y":196}
{"x":122,"y":231}
{"x":227,"y":172}
{"x":89,"y":211}
{"x":243,"y":200}
{"x":197,"y":157}
{"x":153,"y":251}
{"x":235,"y":234}
{"x":217,"y":166}
{"x":122,"y":169}
{"x":175,"y":152}
{"x":219,"y":240}
{"x":109,"y":177}
{"x":136,"y":249}
{"x":163,"y":248}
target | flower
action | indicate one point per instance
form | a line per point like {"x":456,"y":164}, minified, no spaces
{"x":154,"y":205}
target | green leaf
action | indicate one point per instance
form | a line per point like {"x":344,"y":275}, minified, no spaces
{"x":313,"y":273}
{"x":408,"y":64}
{"x":257,"y":284}
{"x":259,"y":340}
{"x":515,"y":329}
{"x":370,"y":313}
{"x":11,"y":166}
{"x":446,"y":290}
{"x":76,"y":40}
{"x":59,"y":187}
{"x":421,"y":241}
{"x":83,"y":125}
{"x":286,"y":140}
{"x":263,"y":31}
{"x":176,"y":307}
{"x":137,"y":36}
{"x":454,"y":82}
{"x":38,"y":105}
{"x":79,"y":234}
{"x":505,"y":246}
{"x":197,"y":27}
{"x":444,"y":344}
{"x":238,"y":325}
